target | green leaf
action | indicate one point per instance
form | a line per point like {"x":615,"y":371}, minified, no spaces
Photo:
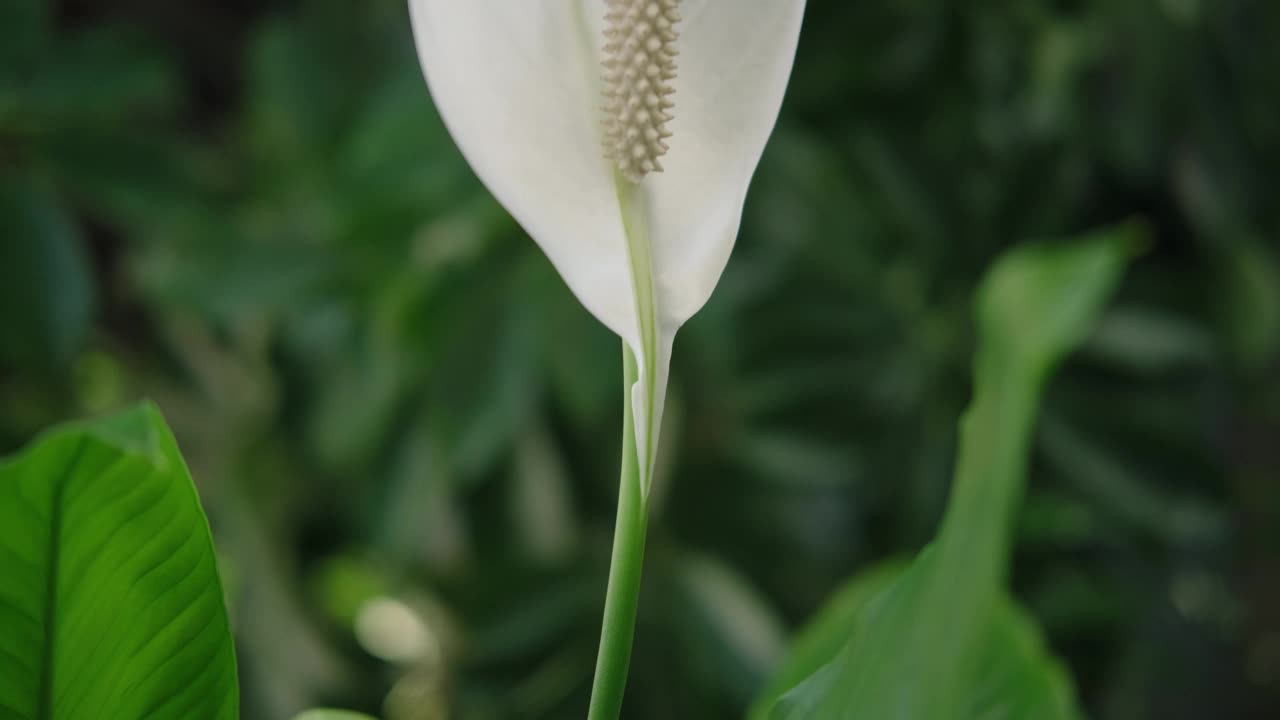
{"x":1015,"y":677}
{"x":822,"y":637}
{"x":931,"y":641}
{"x":110,"y":603}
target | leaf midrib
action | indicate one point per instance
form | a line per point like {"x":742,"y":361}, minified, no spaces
{"x":44,"y":709}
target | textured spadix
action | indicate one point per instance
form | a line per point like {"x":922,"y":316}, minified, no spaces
{"x":639,"y":61}
{"x":519,"y":83}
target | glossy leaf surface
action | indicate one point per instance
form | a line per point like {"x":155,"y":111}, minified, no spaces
{"x":110,"y":602}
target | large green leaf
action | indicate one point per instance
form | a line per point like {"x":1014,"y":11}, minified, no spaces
{"x":941,"y":640}
{"x":822,"y":637}
{"x":110,"y":603}
{"x":1016,"y":678}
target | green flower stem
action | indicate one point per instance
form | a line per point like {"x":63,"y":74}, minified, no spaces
{"x":631,"y":203}
{"x":623,"y":593}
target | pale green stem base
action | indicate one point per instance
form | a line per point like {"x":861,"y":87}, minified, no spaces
{"x":623,"y":593}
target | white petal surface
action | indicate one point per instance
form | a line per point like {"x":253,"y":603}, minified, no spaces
{"x":517,"y":82}
{"x":735,"y":60}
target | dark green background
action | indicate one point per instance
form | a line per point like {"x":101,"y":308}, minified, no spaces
{"x":250,"y":212}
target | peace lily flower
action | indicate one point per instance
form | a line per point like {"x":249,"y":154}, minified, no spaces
{"x":628,"y":171}
{"x":636,"y":203}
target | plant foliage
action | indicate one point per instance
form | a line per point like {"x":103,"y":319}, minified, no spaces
{"x":110,"y":603}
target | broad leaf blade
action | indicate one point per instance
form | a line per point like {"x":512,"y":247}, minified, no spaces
{"x":110,"y":603}
{"x":823,"y":636}
{"x":1015,"y":677}
{"x":915,"y":652}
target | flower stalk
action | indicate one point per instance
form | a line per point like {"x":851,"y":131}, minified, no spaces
{"x":623,"y":595}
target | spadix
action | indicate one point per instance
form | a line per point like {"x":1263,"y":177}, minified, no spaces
{"x":639,"y":69}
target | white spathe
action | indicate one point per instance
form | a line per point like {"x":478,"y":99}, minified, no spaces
{"x":518,"y":84}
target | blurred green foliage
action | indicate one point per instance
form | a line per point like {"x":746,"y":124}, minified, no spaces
{"x":405,"y":430}
{"x":939,"y":639}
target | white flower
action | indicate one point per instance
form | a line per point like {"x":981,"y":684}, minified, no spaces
{"x":628,"y":171}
